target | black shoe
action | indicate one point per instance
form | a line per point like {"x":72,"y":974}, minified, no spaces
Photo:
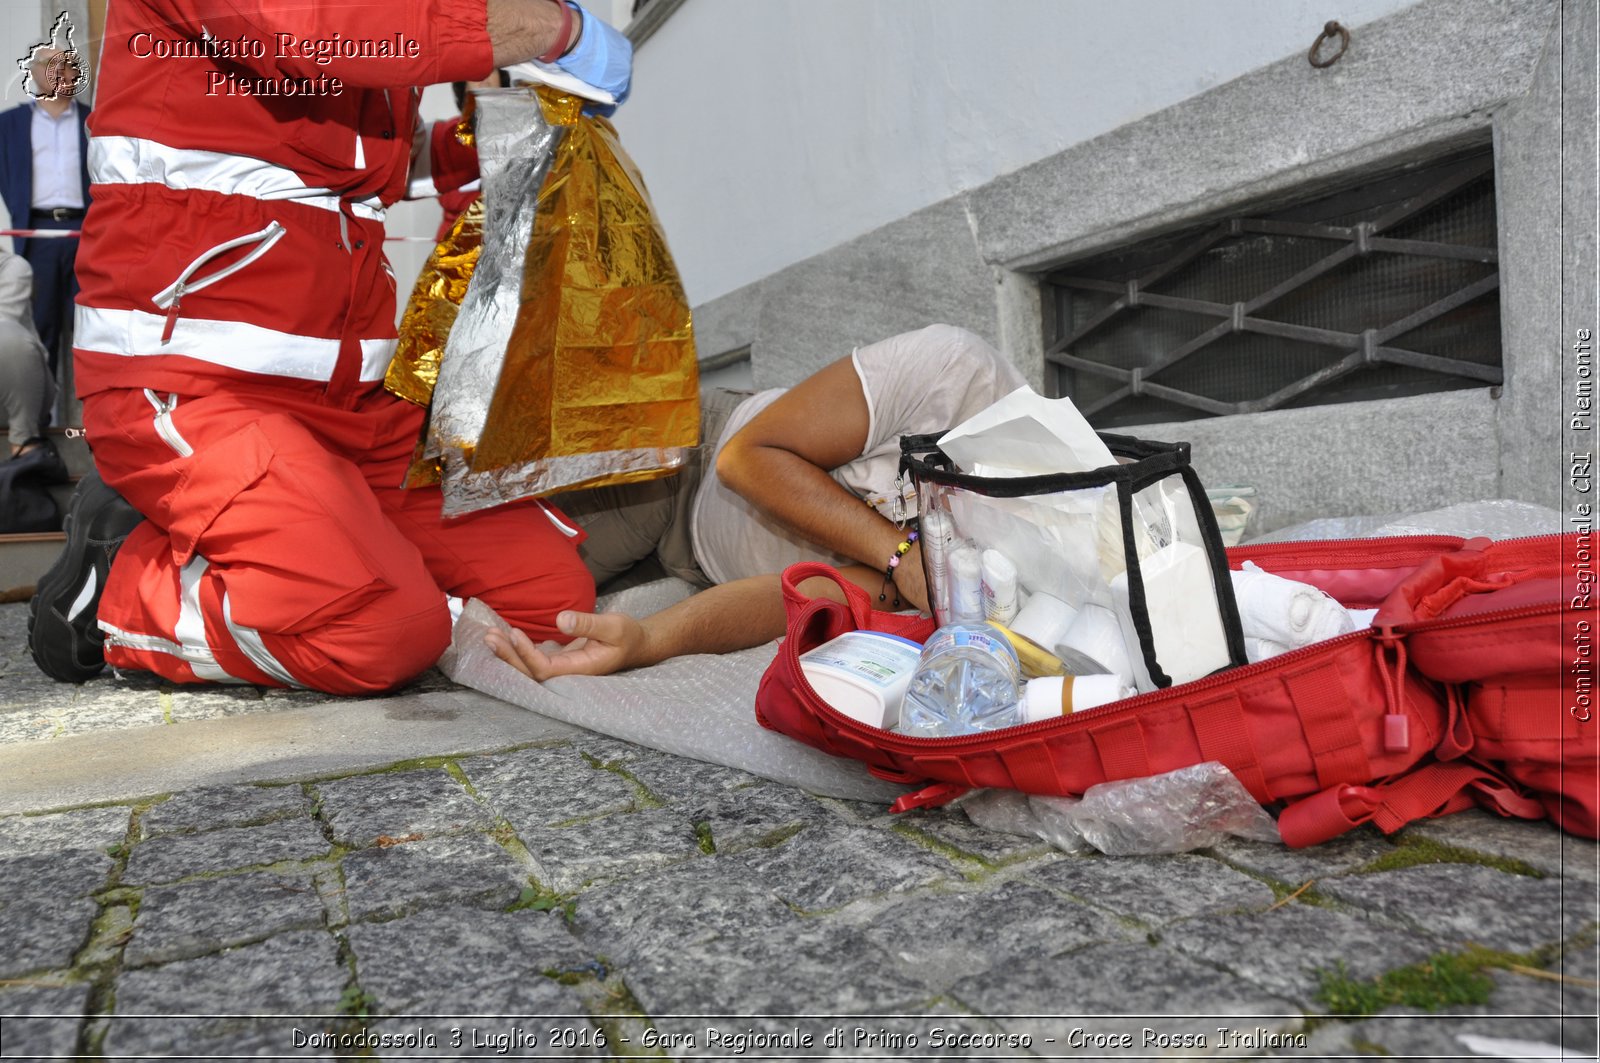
{"x":63,"y":636}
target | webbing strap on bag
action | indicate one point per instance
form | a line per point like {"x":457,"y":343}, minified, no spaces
{"x":1329,"y":721}
{"x":1122,"y":750}
{"x":1220,"y":729}
{"x":1431,"y":790}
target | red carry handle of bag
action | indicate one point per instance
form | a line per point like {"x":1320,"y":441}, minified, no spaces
{"x":857,"y":601}
{"x":784,"y":701}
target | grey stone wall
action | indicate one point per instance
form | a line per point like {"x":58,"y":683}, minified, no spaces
{"x":1417,"y":85}
{"x":922,"y":269}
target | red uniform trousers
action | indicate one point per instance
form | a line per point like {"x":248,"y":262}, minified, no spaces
{"x":280,"y":549}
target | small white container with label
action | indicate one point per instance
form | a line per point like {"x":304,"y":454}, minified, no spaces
{"x":863,"y":674}
{"x":966,"y":585}
{"x":998,"y":586}
{"x":1057,"y":695}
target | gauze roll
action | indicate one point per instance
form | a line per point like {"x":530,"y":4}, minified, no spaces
{"x":1044,"y":621}
{"x":1094,"y":645}
{"x":1278,"y":615}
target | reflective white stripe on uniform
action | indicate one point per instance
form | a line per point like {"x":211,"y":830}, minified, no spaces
{"x":249,"y":640}
{"x":191,"y":645}
{"x":115,"y":636}
{"x":232,"y":344}
{"x":190,"y":630}
{"x":135,"y":160}
{"x":375,"y":358}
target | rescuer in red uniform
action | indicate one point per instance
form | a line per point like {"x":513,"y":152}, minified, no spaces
{"x":234,"y":325}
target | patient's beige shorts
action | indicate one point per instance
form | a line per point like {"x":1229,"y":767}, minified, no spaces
{"x":630,"y":523}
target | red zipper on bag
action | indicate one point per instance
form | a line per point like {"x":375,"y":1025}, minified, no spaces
{"x":1415,"y":548}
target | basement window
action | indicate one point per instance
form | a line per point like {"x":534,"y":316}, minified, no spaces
{"x":1386,"y":289}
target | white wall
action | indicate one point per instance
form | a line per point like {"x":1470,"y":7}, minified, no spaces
{"x":769,"y":131}
{"x":414,"y":223}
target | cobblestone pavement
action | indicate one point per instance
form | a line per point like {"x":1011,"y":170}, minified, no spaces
{"x":580,"y":896}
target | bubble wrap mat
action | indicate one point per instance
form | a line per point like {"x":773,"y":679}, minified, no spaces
{"x":700,"y":706}
{"x":1496,"y":518}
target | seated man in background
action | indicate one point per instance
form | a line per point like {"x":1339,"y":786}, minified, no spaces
{"x":805,"y":474}
{"x":27,"y":390}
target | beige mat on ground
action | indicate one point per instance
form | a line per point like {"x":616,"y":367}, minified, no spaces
{"x":701,"y":706}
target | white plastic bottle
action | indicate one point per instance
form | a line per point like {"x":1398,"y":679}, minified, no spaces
{"x":1062,"y":695}
{"x":966,"y":585}
{"x":863,"y":674}
{"x":938,"y":539}
{"x":967,"y":680}
{"x":999,"y":587}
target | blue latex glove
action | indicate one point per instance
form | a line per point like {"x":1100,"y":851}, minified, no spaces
{"x":603,"y":57}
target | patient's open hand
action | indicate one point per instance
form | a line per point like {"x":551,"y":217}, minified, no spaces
{"x":603,"y":643}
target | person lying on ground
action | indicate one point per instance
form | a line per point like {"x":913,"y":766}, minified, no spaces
{"x":811,"y":473}
{"x":808,"y":473}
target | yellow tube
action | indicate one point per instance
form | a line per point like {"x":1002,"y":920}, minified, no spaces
{"x":1035,"y":660}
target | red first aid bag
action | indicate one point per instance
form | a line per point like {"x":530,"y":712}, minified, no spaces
{"x":1508,"y":627}
{"x":1340,"y":712}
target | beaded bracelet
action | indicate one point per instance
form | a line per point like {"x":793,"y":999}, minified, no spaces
{"x":894,"y":562}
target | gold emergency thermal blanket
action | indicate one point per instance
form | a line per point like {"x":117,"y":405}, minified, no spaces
{"x":435,"y":300}
{"x":571,"y":361}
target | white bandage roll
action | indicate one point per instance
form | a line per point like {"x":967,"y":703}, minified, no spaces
{"x":1044,"y":621}
{"x":1095,"y":644}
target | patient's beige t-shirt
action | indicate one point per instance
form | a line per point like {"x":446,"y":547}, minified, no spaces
{"x":915,"y":383}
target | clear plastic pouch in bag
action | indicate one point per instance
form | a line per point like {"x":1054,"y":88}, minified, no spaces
{"x":1117,"y":570}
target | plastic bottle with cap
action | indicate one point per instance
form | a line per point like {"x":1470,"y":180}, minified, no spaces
{"x":967,"y":680}
{"x":938,"y":539}
{"x":966,"y":585}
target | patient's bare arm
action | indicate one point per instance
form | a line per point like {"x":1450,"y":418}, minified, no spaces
{"x":779,"y":462}
{"x":733,"y":616}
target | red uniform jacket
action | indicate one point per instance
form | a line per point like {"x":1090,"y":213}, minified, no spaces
{"x":242,"y":154}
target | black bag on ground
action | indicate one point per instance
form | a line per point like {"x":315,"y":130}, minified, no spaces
{"x":26,"y":504}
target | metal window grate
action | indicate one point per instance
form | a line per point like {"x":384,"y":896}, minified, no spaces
{"x":1387,"y":289}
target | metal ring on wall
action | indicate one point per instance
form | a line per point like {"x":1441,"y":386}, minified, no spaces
{"x":1329,"y":32}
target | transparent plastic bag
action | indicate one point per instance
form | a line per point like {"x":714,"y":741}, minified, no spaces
{"x":1136,"y":537}
{"x":1176,"y":812}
